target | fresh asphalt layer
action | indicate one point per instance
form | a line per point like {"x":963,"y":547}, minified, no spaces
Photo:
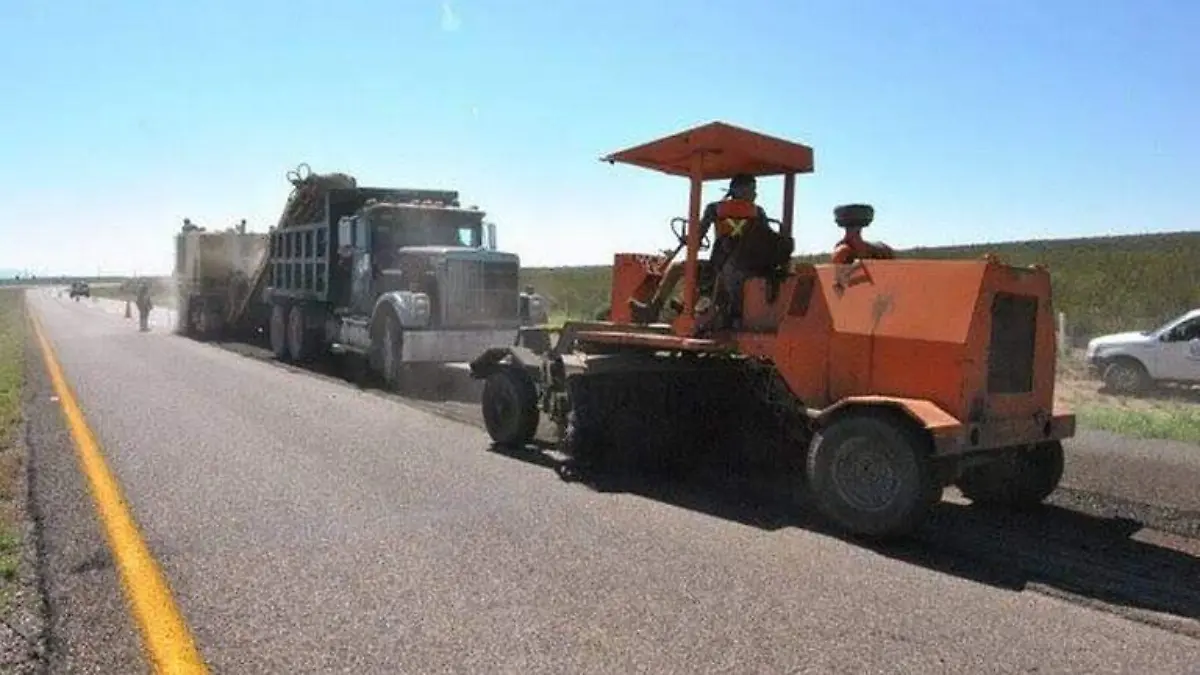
{"x":307,"y":526}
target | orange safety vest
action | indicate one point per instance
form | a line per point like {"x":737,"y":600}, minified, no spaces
{"x":733,"y":215}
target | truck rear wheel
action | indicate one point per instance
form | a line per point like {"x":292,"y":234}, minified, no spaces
{"x":278,"y":332}
{"x":1020,"y":480}
{"x":510,"y":407}
{"x":299,"y":337}
{"x":871,"y":474}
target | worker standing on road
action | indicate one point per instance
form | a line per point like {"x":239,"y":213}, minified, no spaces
{"x":853,"y":218}
{"x":144,"y":305}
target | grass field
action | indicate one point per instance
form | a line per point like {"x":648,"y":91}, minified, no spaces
{"x":1171,"y":414}
{"x":12,"y":375}
{"x":160,"y":295}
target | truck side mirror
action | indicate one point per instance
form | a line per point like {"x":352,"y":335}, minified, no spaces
{"x":491,"y":236}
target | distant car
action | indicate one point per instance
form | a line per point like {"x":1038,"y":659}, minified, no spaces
{"x":80,"y":289}
{"x":1136,"y":361}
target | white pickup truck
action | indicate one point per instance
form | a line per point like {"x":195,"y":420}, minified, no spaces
{"x":1135,"y":362}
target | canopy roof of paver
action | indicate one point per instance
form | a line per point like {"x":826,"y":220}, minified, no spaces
{"x":726,"y":151}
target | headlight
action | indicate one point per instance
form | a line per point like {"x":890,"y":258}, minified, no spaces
{"x":414,"y":309}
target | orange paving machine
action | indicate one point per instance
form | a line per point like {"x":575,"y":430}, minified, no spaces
{"x":890,"y":379}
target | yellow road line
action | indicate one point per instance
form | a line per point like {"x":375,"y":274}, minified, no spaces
{"x":165,"y":636}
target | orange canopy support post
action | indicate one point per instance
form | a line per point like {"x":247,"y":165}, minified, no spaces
{"x":789,"y":204}
{"x":691,"y":264}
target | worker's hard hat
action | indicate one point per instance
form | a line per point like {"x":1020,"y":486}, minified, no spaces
{"x":854,"y":215}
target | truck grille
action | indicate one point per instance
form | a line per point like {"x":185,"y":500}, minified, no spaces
{"x":1010,"y":355}
{"x":478,"y":293}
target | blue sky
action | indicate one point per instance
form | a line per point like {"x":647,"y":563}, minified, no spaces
{"x":962,"y":121}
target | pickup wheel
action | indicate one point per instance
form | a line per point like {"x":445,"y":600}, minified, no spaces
{"x":510,"y":407}
{"x":1020,"y":480}
{"x":278,"y":332}
{"x":872,"y":475}
{"x":1126,"y":376}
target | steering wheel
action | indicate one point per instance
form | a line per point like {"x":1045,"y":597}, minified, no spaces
{"x":679,"y":229}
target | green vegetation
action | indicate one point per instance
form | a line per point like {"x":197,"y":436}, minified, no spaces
{"x":1104,"y":284}
{"x":160,"y":292}
{"x":12,"y":375}
{"x":1181,"y":423}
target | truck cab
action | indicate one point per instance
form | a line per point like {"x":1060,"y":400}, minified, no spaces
{"x":400,"y":276}
{"x":440,"y":258}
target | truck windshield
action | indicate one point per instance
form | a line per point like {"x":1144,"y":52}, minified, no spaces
{"x":428,"y":227}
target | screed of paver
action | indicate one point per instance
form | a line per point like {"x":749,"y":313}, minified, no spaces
{"x":308,"y":527}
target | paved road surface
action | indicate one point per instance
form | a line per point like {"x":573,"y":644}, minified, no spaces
{"x":306,"y":526}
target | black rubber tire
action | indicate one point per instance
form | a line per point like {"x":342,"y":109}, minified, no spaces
{"x":277,"y":332}
{"x":510,"y":407}
{"x":1019,"y":481}
{"x":903,"y":451}
{"x":388,"y":353}
{"x":183,"y":325}
{"x":300,"y":342}
{"x":1126,"y":376}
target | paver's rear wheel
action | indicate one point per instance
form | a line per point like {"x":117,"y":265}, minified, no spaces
{"x":871,"y":474}
{"x":510,"y":406}
{"x":278,"y":330}
{"x":1019,"y":480}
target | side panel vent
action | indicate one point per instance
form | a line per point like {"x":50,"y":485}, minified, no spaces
{"x":1010,"y":353}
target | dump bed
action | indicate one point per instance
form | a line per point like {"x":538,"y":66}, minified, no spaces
{"x":315,"y":205}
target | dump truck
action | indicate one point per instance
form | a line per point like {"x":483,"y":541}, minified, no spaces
{"x":889,"y":379}
{"x":398,"y":276}
{"x":211,"y":277}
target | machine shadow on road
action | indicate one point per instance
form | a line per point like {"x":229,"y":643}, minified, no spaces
{"x":1053,"y":549}
{"x":430,"y":384}
{"x":1059,"y":550}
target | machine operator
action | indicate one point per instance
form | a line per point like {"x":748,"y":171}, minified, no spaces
{"x":853,"y":218}
{"x":745,"y":247}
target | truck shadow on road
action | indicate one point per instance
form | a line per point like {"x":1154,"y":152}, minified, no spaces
{"x":431,"y":385}
{"x":1055,"y":550}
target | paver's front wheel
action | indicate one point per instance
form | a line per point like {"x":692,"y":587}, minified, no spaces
{"x":510,"y":407}
{"x":872,"y":475}
{"x":1019,"y":480}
